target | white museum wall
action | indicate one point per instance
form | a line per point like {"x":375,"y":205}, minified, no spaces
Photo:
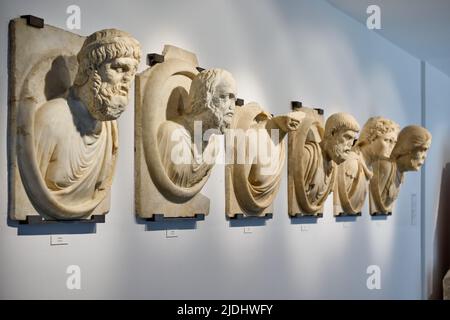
{"x":277,"y":52}
{"x":437,"y":219}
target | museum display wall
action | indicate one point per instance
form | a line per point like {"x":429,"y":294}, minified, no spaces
{"x":310,"y":52}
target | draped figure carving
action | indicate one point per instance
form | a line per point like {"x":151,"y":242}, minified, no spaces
{"x":376,"y":141}
{"x":258,"y":147}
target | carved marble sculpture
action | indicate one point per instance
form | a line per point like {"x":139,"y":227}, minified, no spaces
{"x":179,"y":115}
{"x":253,"y":177}
{"x":376,"y":141}
{"x":313,"y":154}
{"x":66,"y":141}
{"x":408,"y":154}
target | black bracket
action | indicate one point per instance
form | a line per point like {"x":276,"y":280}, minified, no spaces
{"x":34,"y":21}
{"x":306,"y":215}
{"x":161,"y":218}
{"x":154,"y":58}
{"x":200,"y":69}
{"x":296,"y":105}
{"x":239,"y":102}
{"x":319,"y":111}
{"x":241,"y":216}
{"x":381,"y":214}
{"x":34,"y":220}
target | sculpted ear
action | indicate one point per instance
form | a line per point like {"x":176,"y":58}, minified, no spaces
{"x":92,"y":69}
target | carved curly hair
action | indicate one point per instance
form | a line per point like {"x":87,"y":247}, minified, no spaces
{"x":202,"y":89}
{"x":339,"y":121}
{"x":376,"y":127}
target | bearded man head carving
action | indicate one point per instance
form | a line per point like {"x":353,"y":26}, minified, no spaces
{"x":212,"y":98}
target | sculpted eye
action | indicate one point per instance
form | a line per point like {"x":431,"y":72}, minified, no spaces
{"x":117,"y":68}
{"x":348,"y":137}
{"x":120,"y":68}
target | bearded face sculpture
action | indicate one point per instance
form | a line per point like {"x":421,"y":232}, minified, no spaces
{"x":110,"y":85}
{"x":107,"y":64}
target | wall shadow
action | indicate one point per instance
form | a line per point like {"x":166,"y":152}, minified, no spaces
{"x":175,"y":224}
{"x":247,"y":222}
{"x":379,"y":218}
{"x":441,"y":244}
{"x":304,"y":220}
{"x":345,"y":219}
{"x":58,"y":79}
{"x":60,"y":227}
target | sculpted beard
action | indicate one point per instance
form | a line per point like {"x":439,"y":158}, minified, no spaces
{"x":219,"y":120}
{"x":109,"y":100}
{"x":341,"y":152}
{"x":222,"y":121}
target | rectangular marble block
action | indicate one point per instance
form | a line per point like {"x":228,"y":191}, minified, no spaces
{"x":46,"y":58}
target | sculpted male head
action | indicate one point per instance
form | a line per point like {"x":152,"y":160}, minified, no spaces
{"x":378,"y":137}
{"x":212,"y":98}
{"x":107,"y":62}
{"x":340,"y":133}
{"x":411,"y":148}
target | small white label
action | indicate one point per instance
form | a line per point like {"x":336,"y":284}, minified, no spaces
{"x":58,"y":240}
{"x":248,"y":230}
{"x":171,"y":233}
{"x":304,"y":227}
{"x":346,"y":225}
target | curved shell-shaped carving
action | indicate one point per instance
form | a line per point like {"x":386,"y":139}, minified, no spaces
{"x":165,"y":80}
{"x":311,"y":130}
{"x":255,"y":198}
